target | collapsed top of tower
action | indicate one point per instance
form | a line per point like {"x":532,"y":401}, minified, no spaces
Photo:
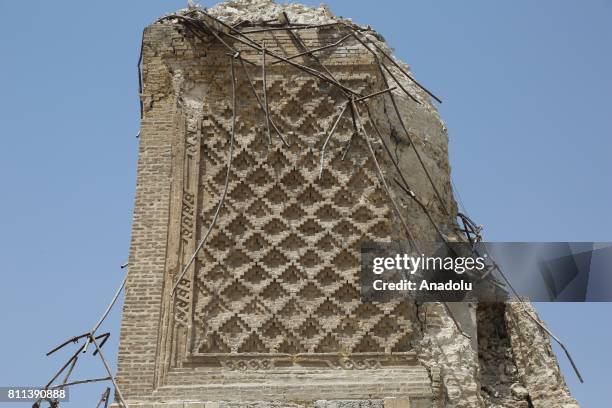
{"x":236,"y":16}
{"x":268,"y":11}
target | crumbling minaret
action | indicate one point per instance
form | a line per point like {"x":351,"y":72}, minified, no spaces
{"x":275,"y":139}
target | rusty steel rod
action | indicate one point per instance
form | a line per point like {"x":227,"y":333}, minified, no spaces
{"x":363,"y":98}
{"x":139,"y":65}
{"x":61,"y":370}
{"x":244,"y":39}
{"x":71,"y":361}
{"x":347,"y":147}
{"x":76,"y":353}
{"x":110,"y":373}
{"x":325,"y":47}
{"x":355,"y":131}
{"x":540,"y":324}
{"x":292,"y":27}
{"x":410,"y":140}
{"x":106,"y":337}
{"x":265,"y":95}
{"x":110,"y":306}
{"x":408,"y":191}
{"x":80,"y":382}
{"x":104,"y":398}
{"x":331,"y":132}
{"x":72,"y":340}
{"x":403,"y":71}
{"x":386,"y":69}
{"x":214,"y":33}
{"x":414,"y":98}
{"x":105,"y":314}
{"x":193,"y":23}
{"x":69,"y":373}
{"x":296,"y":37}
{"x":308,"y":70}
{"x":380,"y":173}
{"x":261,"y":105}
{"x":406,"y":188}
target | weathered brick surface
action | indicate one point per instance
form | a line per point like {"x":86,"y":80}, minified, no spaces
{"x":150,"y":354}
{"x":285,"y":236}
{"x":141,"y":312}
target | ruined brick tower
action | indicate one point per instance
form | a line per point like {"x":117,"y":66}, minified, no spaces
{"x":268,"y":311}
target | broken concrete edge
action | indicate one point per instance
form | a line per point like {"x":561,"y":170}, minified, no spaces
{"x":537,"y":364}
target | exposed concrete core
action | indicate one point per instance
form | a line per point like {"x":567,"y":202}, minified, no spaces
{"x":269,"y":314}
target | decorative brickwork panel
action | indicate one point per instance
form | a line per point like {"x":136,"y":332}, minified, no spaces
{"x":279,"y":274}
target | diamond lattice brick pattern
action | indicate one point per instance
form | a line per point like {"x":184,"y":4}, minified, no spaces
{"x":280,"y":273}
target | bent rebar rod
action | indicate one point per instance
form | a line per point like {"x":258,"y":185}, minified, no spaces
{"x":227,"y":177}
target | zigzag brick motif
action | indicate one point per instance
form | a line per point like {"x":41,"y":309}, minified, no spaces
{"x":280,"y":272}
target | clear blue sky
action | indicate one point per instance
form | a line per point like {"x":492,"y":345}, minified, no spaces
{"x":526,"y":88}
